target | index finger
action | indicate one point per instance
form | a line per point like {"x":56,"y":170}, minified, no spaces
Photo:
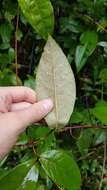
{"x":19,"y":94}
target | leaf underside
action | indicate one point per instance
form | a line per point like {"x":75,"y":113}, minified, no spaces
{"x":55,"y":80}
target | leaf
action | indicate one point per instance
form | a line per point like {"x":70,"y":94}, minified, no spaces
{"x":68,"y":24}
{"x":39,"y":14}
{"x":103,"y":75}
{"x":79,"y":57}
{"x":3,"y":172}
{"x":100,"y":111}
{"x":103,"y":44}
{"x":45,"y":136}
{"x":23,"y":176}
{"x":8,"y":78}
{"x":41,"y":187}
{"x":23,"y":139}
{"x":11,"y":55}
{"x":88,"y":44}
{"x":84,"y":141}
{"x":30,"y":82}
{"x":55,"y":79}
{"x":4,"y":46}
{"x":76,"y":118}
{"x":61,"y":168}
{"x":5,"y":32}
{"x":100,"y":137}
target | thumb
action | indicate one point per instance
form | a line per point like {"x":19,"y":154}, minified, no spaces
{"x":34,"y":113}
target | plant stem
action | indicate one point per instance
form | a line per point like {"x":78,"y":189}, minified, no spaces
{"x":103,"y":167}
{"x":16,"y":44}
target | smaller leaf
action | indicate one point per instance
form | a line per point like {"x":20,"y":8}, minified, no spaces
{"x":103,"y":44}
{"x":85,"y":141}
{"x":100,"y":112}
{"x":77,"y":117}
{"x":88,"y":44}
{"x":41,"y":187}
{"x":19,"y":35}
{"x":103,"y":75}
{"x":11,"y":55}
{"x":23,"y":139}
{"x":5,"y":32}
{"x":30,"y":82}
{"x":45,"y":137}
{"x":79,"y":56}
{"x":61,"y":168}
{"x":100,"y":137}
{"x":4,"y":46}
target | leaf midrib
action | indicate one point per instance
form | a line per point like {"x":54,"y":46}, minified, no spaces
{"x":55,"y":94}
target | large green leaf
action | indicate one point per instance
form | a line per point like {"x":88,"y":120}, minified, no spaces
{"x":23,"y":176}
{"x":55,"y":79}
{"x":61,"y":168}
{"x":39,"y":14}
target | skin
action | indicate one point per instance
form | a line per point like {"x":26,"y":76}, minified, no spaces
{"x":18,"y":109}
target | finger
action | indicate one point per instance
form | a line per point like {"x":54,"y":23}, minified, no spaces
{"x":19,"y":106}
{"x":18,"y":94}
{"x":34,"y":113}
{"x":12,"y":123}
{"x":5,"y":102}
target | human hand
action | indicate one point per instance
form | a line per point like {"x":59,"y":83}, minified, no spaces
{"x":18,"y":109}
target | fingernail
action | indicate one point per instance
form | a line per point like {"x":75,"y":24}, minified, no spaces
{"x":48,"y":104}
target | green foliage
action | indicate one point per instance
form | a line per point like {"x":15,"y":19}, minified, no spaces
{"x":61,"y":168}
{"x":88,"y":44}
{"x":80,"y":30}
{"x":23,"y":176}
{"x":40,"y":15}
{"x":100,"y":111}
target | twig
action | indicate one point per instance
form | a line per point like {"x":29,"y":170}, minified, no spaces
{"x":67,"y":128}
{"x":86,"y":156}
{"x":30,"y":144}
{"x":103,"y":167}
{"x":60,"y":188}
{"x":16,"y":44}
{"x":97,"y":23}
{"x":83,"y":127}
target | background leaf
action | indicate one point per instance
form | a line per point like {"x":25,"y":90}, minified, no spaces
{"x":61,"y":168}
{"x":23,"y":176}
{"x":84,"y":141}
{"x":100,"y":111}
{"x":88,"y":44}
{"x":45,"y":136}
{"x":39,"y":14}
{"x":55,"y":79}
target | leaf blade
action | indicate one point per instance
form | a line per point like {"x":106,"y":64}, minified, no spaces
{"x":100,"y":112}
{"x":55,"y":79}
{"x":20,"y":177}
{"x":88,"y":44}
{"x":39,"y":14}
{"x":61,"y":168}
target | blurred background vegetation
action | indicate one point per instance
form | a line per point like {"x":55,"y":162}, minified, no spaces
{"x":81,"y":31}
